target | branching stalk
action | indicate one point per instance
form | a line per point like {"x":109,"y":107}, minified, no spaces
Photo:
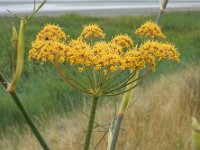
{"x":67,"y":80}
{"x":112,"y":79}
{"x":122,"y":81}
{"x":128,"y":83}
{"x":76,"y":80}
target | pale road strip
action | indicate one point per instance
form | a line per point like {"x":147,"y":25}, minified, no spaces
{"x":101,"y":9}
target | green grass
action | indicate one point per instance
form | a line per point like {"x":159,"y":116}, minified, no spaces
{"x":43,"y":91}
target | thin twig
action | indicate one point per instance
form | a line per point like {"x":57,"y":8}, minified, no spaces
{"x":39,"y":7}
{"x":101,"y":139}
{"x":97,"y":124}
{"x":130,"y":105}
{"x":15,"y":15}
{"x":34,"y":5}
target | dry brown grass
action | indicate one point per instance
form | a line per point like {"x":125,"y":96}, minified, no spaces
{"x":159,"y":120}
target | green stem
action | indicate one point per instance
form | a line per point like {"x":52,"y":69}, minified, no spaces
{"x":90,"y":123}
{"x":24,"y":112}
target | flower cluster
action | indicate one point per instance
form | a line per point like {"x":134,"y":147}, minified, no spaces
{"x":118,"y":54}
{"x":79,"y":53}
{"x":151,"y":30}
{"x":47,"y":51}
{"x":151,"y":50}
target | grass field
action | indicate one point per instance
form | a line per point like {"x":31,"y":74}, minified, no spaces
{"x":160,"y":119}
{"x":42,"y":90}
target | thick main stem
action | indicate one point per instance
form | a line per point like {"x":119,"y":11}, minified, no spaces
{"x":29,"y":121}
{"x":91,"y":122}
{"x":26,"y":115}
{"x":115,"y":135}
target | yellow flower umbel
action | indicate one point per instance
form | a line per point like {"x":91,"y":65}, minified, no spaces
{"x":101,"y":67}
{"x":51,"y":33}
{"x":49,"y":45}
{"x":92,"y":30}
{"x":150,"y":30}
{"x":153,"y":50}
{"x":123,"y":40}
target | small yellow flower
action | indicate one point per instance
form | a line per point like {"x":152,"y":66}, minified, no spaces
{"x":98,"y":67}
{"x":92,"y":30}
{"x":80,"y":69}
{"x":105,"y":72}
{"x":113,"y":68}
{"x":151,"y":30}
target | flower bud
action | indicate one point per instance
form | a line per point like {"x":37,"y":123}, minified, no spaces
{"x":20,"y":56}
{"x":195,"y":141}
{"x":163,"y":4}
